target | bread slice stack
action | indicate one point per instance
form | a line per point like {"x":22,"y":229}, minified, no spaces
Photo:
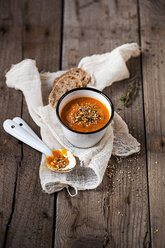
{"x":73,"y":78}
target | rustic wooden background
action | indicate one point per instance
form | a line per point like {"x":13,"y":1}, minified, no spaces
{"x":128,"y":208}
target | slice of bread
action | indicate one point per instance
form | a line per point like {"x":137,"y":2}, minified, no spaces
{"x":63,"y":85}
{"x":79,"y":73}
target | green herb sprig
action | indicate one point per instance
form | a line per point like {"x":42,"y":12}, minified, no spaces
{"x":131,"y":92}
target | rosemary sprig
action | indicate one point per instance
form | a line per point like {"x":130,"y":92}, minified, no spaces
{"x":131,"y":91}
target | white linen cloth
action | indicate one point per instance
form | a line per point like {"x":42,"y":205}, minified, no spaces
{"x":104,"y":70}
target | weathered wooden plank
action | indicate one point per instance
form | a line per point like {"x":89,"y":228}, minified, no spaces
{"x":153,"y":35}
{"x":116,"y":214}
{"x":33,"y":217}
{"x":10,"y":106}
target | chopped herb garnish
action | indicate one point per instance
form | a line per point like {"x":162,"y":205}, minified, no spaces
{"x":87,"y":113}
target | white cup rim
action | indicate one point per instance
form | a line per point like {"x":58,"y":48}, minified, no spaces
{"x":88,"y":89}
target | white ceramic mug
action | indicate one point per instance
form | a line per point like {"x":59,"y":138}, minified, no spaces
{"x":81,"y":139}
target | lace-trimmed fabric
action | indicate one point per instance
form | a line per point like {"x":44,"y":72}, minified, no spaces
{"x":104,"y":70}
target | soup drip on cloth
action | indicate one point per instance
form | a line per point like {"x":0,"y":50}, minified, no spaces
{"x":104,"y":69}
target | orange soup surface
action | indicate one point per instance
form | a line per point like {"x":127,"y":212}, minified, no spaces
{"x":85,"y":114}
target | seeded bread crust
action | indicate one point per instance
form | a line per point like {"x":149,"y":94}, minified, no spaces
{"x":79,"y":73}
{"x":63,"y":85}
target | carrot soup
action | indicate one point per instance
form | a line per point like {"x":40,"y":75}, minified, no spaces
{"x":85,"y":114}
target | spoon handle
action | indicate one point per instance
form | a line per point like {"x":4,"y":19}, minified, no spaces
{"x":22,"y":134}
{"x":25,"y":126}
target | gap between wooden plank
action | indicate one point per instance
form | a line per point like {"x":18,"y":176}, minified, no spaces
{"x":62,"y":33}
{"x":60,"y":68}
{"x":12,"y":210}
{"x":145,"y":136}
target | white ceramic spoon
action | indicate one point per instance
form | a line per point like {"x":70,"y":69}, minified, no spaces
{"x":20,"y":130}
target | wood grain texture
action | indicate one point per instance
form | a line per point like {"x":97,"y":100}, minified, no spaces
{"x":152,"y":15}
{"x":42,"y":33}
{"x":33,"y":215}
{"x":10,"y":106}
{"x":116,"y":214}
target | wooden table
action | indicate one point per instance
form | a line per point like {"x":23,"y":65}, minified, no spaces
{"x":128,"y":208}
